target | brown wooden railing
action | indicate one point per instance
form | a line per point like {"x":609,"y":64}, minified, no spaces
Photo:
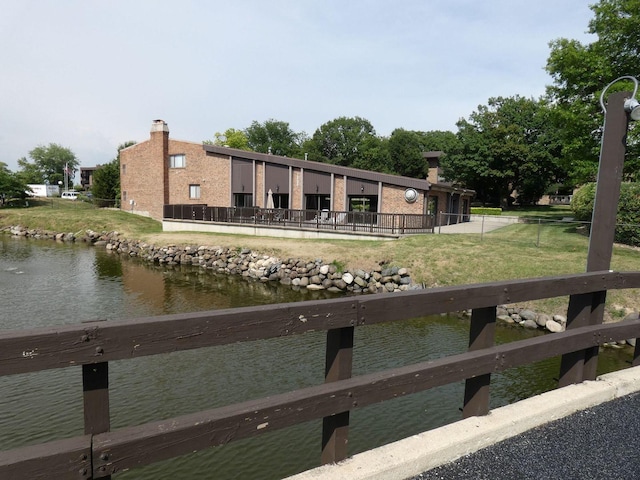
{"x":99,"y":453}
{"x":363,"y":222}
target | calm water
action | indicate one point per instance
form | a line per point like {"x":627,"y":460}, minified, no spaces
{"x":44,"y":283}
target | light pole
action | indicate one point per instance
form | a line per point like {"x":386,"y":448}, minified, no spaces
{"x":588,"y":309}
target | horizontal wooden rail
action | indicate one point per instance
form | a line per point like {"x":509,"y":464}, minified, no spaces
{"x":23,"y":351}
{"x":140,"y":445}
{"x":137,"y":446}
{"x":61,"y":459}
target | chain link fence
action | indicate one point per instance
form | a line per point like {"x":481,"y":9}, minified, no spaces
{"x":529,"y":230}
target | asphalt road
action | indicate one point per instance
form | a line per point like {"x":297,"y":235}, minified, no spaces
{"x":601,"y":442}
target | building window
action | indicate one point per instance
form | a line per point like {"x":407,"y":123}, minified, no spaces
{"x":194,"y":191}
{"x":124,"y":168}
{"x":243,"y":200}
{"x":177,"y":161}
{"x":124,"y":196}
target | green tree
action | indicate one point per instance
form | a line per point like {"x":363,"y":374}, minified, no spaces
{"x":580,"y":72}
{"x":342,"y":141}
{"x":49,"y":163}
{"x":374,"y":155}
{"x":276,"y":137}
{"x":406,"y":149}
{"x":231,"y":138}
{"x":506,"y":146}
{"x":11,"y":185}
{"x":29,"y":172}
{"x":106,"y":179}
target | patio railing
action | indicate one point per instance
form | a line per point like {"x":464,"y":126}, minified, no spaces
{"x":369,"y":222}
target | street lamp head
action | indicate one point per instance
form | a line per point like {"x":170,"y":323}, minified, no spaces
{"x":631,"y":105}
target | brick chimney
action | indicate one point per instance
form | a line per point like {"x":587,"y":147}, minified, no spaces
{"x":433,"y":160}
{"x":160,"y":154}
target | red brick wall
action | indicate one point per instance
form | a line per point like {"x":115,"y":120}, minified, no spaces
{"x":338,"y":193}
{"x":143,"y":175}
{"x":296,"y":187}
{"x":260,"y":195}
{"x":145,"y":172}
{"x":211,"y":172}
{"x":393,"y":201}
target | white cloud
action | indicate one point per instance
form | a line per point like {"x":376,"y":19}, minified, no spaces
{"x":92,"y":75}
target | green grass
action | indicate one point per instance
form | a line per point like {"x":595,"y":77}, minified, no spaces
{"x":523,"y":250}
{"x":59,"y":215}
{"x":544,"y":211}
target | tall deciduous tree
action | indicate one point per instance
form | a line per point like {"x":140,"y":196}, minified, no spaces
{"x":29,"y":172}
{"x":232,"y":138}
{"x":374,"y":155}
{"x":11,"y":185}
{"x":506,"y":146}
{"x":406,"y":149}
{"x":580,"y":72}
{"x":276,"y":137}
{"x":342,"y":141}
{"x":49,"y":163}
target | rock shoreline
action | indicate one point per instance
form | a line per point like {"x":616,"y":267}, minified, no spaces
{"x":297,"y":273}
{"x":309,"y":274}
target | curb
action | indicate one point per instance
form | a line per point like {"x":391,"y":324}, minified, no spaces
{"x":416,"y":454}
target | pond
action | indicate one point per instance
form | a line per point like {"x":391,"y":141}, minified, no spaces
{"x":48,"y":283}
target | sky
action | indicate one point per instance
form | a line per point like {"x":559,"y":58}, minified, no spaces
{"x":91,"y":75}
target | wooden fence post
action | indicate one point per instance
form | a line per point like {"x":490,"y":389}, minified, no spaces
{"x":481,"y":335}
{"x":95,"y":388}
{"x":335,"y":429}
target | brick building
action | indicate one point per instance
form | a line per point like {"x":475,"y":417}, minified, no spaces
{"x":162,"y":171}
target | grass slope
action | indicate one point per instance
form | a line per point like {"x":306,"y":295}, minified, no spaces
{"x":516,"y":251}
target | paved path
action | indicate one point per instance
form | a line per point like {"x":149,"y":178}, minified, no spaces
{"x":599,"y":443}
{"x":477,"y":225}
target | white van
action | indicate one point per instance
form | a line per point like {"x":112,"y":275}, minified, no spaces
{"x":69,"y":195}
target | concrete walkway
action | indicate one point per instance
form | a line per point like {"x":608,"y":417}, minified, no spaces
{"x":526,"y":454}
{"x":478,"y":224}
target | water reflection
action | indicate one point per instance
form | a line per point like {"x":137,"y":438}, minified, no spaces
{"x":70,"y":283}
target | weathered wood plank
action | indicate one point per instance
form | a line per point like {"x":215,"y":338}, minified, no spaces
{"x":338,"y":366}
{"x":572,"y":363}
{"x":140,"y":445}
{"x":61,"y":459}
{"x":482,"y":335}
{"x":58,"y":347}
{"x":95,"y":389}
{"x":380,"y":308}
{"x":63,"y":346}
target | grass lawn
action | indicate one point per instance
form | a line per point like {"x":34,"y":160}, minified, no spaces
{"x":553,"y":212}
{"x":522,"y":250}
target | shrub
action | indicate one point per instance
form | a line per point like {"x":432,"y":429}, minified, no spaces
{"x":485,"y":211}
{"x":582,"y":202}
{"x":627,"y":218}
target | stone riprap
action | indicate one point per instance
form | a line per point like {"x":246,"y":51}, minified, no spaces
{"x":309,"y":274}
